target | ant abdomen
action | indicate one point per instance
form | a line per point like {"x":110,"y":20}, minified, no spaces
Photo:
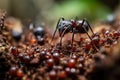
{"x":81,"y":28}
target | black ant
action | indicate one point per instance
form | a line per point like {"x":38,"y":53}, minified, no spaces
{"x":39,"y":33}
{"x":73,"y":26}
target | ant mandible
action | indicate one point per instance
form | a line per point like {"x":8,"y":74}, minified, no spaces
{"x":74,"y":26}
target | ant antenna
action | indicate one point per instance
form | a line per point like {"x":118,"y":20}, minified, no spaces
{"x":89,"y":25}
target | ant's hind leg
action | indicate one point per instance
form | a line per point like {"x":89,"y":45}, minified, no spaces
{"x":73,"y":35}
{"x":85,"y":29}
{"x":89,"y":25}
{"x":89,"y":36}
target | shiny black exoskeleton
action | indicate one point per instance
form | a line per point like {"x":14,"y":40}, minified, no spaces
{"x":39,"y":33}
{"x":16,"y":35}
{"x":73,"y":26}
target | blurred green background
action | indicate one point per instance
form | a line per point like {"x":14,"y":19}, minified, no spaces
{"x":49,"y":11}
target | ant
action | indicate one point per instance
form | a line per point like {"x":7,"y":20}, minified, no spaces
{"x":73,"y":26}
{"x":39,"y":33}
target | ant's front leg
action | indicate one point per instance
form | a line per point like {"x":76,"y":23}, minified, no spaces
{"x":89,"y":25}
{"x":63,"y":33}
{"x":85,"y":29}
{"x":56,"y":28}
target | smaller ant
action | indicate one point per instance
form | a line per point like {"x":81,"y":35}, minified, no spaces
{"x":39,"y":33}
{"x":73,"y":26}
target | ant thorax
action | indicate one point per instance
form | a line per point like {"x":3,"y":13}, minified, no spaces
{"x":64,"y":26}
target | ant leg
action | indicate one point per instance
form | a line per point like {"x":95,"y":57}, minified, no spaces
{"x":56,"y":29}
{"x":76,"y":18}
{"x":89,"y":36}
{"x":73,"y":35}
{"x":62,"y":36}
{"x":61,"y":40}
{"x":89,"y":26}
{"x":85,"y":29}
